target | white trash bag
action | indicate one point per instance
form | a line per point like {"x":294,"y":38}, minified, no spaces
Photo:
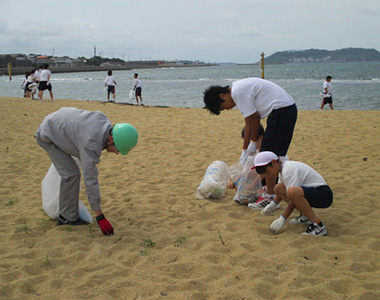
{"x":214,"y":182}
{"x":131,"y":95}
{"x":50,"y":187}
{"x":247,"y":182}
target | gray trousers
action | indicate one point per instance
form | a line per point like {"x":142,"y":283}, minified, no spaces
{"x":70,"y":179}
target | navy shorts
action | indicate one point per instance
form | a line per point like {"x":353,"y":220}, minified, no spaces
{"x":279,"y":131}
{"x":318,"y":197}
{"x":111,"y":89}
{"x":138,"y":91}
{"x":327,"y":100}
{"x":44,"y":86}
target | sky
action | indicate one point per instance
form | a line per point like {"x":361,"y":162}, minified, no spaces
{"x":205,"y":30}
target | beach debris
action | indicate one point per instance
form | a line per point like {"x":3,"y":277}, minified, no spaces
{"x":365,"y":158}
{"x":221,"y":239}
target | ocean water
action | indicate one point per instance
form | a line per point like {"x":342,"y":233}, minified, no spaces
{"x":356,"y":86}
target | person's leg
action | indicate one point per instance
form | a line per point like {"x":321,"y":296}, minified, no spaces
{"x":70,"y":179}
{"x":323,"y":103}
{"x":51,"y":93}
{"x":297,"y":196}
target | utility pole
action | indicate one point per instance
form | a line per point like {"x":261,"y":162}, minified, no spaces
{"x":262,"y":65}
{"x":94,"y":51}
{"x":10,"y":71}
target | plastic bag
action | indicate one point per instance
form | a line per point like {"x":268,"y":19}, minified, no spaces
{"x":214,"y":182}
{"x":50,"y":195}
{"x":131,"y":95}
{"x":248,"y":182}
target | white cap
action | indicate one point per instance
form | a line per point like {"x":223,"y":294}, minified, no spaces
{"x":264,"y":158}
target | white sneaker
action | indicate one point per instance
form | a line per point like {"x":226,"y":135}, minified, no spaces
{"x":299,"y":220}
{"x":315,"y":229}
{"x":262,"y":203}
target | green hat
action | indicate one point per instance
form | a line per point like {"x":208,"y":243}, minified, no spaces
{"x":125,"y":137}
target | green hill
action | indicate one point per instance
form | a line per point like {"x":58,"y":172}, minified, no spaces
{"x":317,"y":56}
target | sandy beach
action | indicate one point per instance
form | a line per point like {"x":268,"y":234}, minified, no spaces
{"x":170,"y":245}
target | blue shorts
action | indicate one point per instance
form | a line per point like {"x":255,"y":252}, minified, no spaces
{"x":111,"y":89}
{"x":279,"y":131}
{"x":318,"y":197}
{"x":327,"y":100}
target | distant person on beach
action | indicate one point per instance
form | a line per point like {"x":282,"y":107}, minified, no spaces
{"x":28,"y":92}
{"x":257,"y":99}
{"x":37,"y":73}
{"x":137,"y":87}
{"x":327,"y":93}
{"x":300,"y":186}
{"x":110,"y":82}
{"x":45,"y":83}
{"x":71,"y":132}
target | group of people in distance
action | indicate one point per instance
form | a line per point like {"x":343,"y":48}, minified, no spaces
{"x":296,"y":183}
{"x":110,"y":84}
{"x":38,"y":79}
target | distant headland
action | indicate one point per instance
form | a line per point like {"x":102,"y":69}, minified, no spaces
{"x":319,"y":56}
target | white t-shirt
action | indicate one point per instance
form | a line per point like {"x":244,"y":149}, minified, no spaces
{"x":110,"y":80}
{"x":37,"y":74}
{"x":263,"y":96}
{"x":295,"y":173}
{"x":327,"y":85}
{"x":44,"y":75}
{"x":137,"y":82}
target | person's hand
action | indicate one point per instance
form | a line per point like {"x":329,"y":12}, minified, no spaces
{"x":243,"y":157}
{"x":104,"y":224}
{"x":277,"y":225}
{"x":251,"y":148}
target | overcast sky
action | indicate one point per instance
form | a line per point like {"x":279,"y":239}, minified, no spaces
{"x":206,"y":30}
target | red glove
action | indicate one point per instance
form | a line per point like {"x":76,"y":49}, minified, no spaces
{"x":104,"y":225}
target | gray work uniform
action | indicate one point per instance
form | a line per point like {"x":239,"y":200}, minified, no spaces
{"x":83,"y":134}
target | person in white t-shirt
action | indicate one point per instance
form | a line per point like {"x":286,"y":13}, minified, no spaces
{"x":45,"y":83}
{"x":327,"y":93}
{"x":110,"y":82}
{"x":137,"y":87}
{"x":300,"y":186}
{"x":257,"y":99}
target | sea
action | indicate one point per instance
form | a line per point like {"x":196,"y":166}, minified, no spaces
{"x":356,"y":85}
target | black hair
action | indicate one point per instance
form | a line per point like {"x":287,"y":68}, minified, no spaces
{"x":46,"y":66}
{"x":328,"y":77}
{"x":136,"y":74}
{"x":211,"y":98}
{"x":262,"y":169}
{"x":109,"y":73}
{"x":261,"y":131}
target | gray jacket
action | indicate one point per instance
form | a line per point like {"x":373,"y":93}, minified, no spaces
{"x":83,"y":134}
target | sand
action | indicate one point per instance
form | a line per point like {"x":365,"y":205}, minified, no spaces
{"x":170,"y":245}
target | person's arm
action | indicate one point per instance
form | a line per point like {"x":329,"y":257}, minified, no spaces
{"x":251,"y":132}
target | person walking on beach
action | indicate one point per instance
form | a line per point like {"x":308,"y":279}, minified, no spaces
{"x":327,"y":93}
{"x":257,"y":99}
{"x":300,"y":186}
{"x":45,"y":83}
{"x":71,"y":132}
{"x":137,"y":87}
{"x":110,"y":82}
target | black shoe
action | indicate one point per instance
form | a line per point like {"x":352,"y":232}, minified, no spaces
{"x":63,"y":221}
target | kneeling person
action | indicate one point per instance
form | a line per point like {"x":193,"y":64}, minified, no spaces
{"x":300,"y":186}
